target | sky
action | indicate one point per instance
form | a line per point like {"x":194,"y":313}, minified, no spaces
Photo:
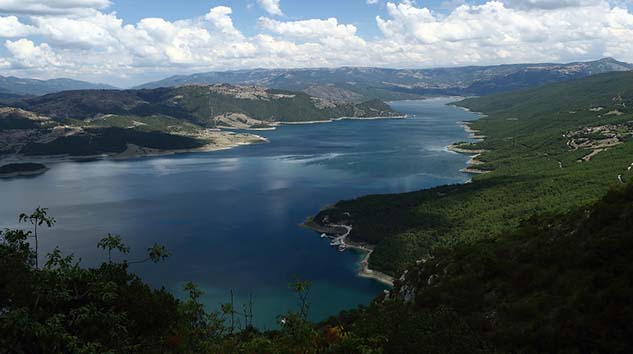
{"x":128,"y":42}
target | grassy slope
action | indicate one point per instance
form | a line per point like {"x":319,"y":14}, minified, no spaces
{"x":524,"y":133}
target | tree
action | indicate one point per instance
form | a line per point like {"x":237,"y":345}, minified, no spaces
{"x":38,"y":218}
{"x":113,"y":242}
{"x":156,"y":253}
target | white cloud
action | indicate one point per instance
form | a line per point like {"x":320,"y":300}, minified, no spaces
{"x":28,"y":55}
{"x":48,"y":7}
{"x":271,"y":6}
{"x":549,"y":4}
{"x":10,"y":26}
{"x":309,"y":29}
{"x":100,"y":46}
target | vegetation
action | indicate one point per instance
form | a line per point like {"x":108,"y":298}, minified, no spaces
{"x":109,"y":140}
{"x":559,"y":283}
{"x":535,"y":171}
{"x":21,"y":168}
{"x":197,"y":104}
{"x":64,"y":308}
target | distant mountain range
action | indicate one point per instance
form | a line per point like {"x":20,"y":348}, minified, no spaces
{"x":355,"y":84}
{"x":14,"y":86}
{"x":359,"y":84}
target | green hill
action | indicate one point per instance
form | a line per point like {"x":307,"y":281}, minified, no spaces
{"x":551,"y":149}
{"x":559,"y":283}
{"x":94,"y":122}
{"x":200,"y":104}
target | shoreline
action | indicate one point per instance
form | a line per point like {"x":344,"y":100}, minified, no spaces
{"x":132,"y":152}
{"x":474,"y":153}
{"x":331,"y":120}
{"x":342,"y":231}
{"x":340,"y":234}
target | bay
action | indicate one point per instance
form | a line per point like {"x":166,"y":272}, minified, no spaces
{"x":231,"y":218}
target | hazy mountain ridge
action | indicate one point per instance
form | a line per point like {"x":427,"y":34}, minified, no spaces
{"x":359,"y":83}
{"x":15,"y":86}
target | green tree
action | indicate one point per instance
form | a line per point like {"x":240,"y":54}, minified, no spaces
{"x":38,"y":218}
{"x":113,"y":242}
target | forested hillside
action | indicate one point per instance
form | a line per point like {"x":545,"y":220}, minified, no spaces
{"x":548,"y":149}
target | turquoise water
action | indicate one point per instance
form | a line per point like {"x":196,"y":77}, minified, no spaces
{"x":231,"y":218}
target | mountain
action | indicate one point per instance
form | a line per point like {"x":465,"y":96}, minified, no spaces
{"x":545,"y":150}
{"x":92,"y":122}
{"x":14,"y":86}
{"x":357,"y":84}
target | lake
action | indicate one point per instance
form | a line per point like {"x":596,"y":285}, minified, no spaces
{"x":231,"y":218}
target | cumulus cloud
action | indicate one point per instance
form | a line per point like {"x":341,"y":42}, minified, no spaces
{"x":49,"y":7}
{"x":101,"y":46}
{"x":549,"y":4}
{"x":309,"y":29}
{"x":271,"y":6}
{"x":28,"y":55}
{"x":10,"y":26}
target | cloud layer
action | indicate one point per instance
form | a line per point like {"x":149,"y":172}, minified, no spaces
{"x":81,"y":39}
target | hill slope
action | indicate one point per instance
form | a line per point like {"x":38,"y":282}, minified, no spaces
{"x":92,"y":122}
{"x":559,"y":283}
{"x":549,"y":149}
{"x":201,"y":104}
{"x":357,"y":84}
{"x":33,"y":87}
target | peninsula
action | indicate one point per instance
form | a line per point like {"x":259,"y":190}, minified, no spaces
{"x":132,"y":123}
{"x":21,"y":169}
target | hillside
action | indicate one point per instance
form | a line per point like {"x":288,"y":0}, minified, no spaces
{"x":559,"y":283}
{"x":131,"y":122}
{"x":200,"y":104}
{"x":15,"y":86}
{"x":546,"y":150}
{"x":358,"y":84}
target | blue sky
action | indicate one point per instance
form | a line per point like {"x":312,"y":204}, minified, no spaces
{"x":126,"y":42}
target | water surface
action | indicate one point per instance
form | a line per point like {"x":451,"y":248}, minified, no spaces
{"x":231,"y":218}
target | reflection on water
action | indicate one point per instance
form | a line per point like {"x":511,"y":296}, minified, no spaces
{"x":230,"y":218}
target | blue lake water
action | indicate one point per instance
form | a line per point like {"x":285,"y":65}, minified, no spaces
{"x":231,"y":218}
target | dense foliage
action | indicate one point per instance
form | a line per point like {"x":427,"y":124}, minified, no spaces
{"x":558,"y":283}
{"x":110,"y":140}
{"x":534,"y":172}
{"x":61,"y":307}
{"x":25,"y":167}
